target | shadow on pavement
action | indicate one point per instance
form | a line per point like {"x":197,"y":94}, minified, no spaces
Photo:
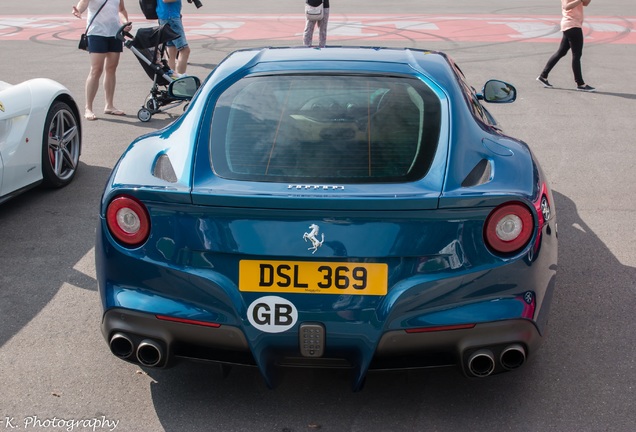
{"x":44,"y":233}
{"x":582,"y":351}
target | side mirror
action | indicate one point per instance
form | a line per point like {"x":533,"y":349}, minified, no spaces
{"x":496,"y":91}
{"x":184,"y":88}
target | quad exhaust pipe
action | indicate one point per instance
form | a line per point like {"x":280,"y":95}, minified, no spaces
{"x":513,"y":357}
{"x":148,"y":353}
{"x":482,"y":362}
{"x":121,"y":345}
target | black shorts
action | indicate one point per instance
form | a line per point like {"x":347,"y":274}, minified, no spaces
{"x":104,"y":44}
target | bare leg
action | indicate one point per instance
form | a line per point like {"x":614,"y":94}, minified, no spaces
{"x":182,"y":60}
{"x":172,"y":57}
{"x":110,"y":79}
{"x":92,"y":83}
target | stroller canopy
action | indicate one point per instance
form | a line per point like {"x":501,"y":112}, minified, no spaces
{"x":153,"y":36}
{"x":148,"y":46}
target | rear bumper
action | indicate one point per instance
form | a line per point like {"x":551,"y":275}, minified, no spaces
{"x":399,"y":349}
{"x":432,"y":317}
{"x":226,"y":344}
{"x":396,"y":349}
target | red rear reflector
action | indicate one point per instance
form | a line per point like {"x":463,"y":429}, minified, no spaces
{"x":529,"y":305}
{"x":542,"y":205}
{"x":187,"y":321}
{"x":440,"y":328}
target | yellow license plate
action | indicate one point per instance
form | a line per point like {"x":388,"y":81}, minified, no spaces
{"x":313,"y":277}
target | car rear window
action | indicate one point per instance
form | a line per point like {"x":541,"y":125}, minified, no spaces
{"x":326,"y":128}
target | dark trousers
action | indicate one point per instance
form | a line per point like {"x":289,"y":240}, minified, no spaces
{"x":572,"y":38}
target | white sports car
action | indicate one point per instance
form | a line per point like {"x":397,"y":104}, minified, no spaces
{"x":40,"y":136}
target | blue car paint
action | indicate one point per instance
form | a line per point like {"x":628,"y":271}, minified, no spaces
{"x":191,"y":271}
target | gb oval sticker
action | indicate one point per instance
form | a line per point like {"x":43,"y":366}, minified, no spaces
{"x":272,"y":314}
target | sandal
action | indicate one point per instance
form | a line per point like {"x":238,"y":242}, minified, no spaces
{"x":115,"y":112}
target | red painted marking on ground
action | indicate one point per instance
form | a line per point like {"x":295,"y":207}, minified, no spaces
{"x":287,"y":29}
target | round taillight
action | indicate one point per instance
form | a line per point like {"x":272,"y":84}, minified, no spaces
{"x":509,"y":228}
{"x":128,"y":220}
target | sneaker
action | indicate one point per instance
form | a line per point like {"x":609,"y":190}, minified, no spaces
{"x":544,"y":81}
{"x":585,"y":88}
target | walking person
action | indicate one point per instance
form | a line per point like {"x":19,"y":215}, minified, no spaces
{"x":572,"y":28}
{"x":105,"y":17}
{"x":308,"y":34}
{"x":169,"y":12}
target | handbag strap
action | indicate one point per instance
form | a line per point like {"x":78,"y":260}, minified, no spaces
{"x":95,"y":16}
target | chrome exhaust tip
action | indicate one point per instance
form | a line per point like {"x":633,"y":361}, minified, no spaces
{"x":513,"y":357}
{"x":481,"y":363}
{"x":149,"y":353}
{"x":121,"y":345}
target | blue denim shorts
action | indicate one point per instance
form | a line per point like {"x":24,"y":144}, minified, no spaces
{"x":177,"y":26}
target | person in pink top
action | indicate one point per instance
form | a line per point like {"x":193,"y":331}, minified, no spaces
{"x":572,"y":28}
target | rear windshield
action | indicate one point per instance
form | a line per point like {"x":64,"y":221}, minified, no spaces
{"x":326,"y":128}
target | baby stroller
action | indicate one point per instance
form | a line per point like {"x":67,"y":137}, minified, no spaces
{"x":149,"y":48}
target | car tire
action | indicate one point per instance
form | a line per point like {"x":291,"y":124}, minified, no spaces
{"x":61,"y":146}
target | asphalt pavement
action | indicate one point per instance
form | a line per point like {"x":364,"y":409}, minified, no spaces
{"x":57,"y":373}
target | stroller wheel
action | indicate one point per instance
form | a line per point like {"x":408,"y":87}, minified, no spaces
{"x":144,"y":115}
{"x":152,"y":105}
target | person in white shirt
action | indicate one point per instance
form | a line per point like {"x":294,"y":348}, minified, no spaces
{"x":104,"y":49}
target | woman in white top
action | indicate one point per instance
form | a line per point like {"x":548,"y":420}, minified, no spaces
{"x":104,"y":49}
